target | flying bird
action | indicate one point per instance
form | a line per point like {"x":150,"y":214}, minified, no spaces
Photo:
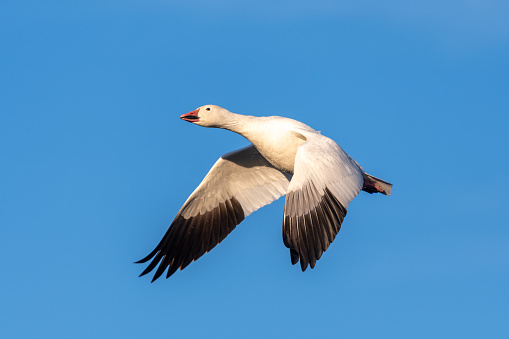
{"x":285,"y":157}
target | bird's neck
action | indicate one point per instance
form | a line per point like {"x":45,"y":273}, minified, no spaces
{"x":240,"y":124}
{"x":254,"y":129}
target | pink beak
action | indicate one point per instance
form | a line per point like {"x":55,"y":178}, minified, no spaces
{"x":191,"y":116}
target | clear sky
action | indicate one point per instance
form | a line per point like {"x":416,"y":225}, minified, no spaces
{"x":95,"y":163}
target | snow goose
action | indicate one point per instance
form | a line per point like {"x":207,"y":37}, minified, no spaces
{"x":285,"y":157}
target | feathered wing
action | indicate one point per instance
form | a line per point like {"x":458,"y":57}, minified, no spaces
{"x":238,"y":184}
{"x":325,"y":180}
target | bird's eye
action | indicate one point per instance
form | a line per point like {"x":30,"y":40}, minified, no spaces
{"x":208,"y":108}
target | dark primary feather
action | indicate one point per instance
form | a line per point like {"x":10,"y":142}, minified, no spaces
{"x":309,"y":235}
{"x":188,"y":239}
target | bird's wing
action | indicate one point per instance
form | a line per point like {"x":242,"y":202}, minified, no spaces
{"x":239,"y":183}
{"x":325,"y":180}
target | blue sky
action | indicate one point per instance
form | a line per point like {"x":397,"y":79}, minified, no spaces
{"x":95,"y":163}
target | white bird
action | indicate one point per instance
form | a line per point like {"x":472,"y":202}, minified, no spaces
{"x":285,"y":157}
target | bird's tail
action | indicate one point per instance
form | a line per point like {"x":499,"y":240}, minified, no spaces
{"x":375,"y":185}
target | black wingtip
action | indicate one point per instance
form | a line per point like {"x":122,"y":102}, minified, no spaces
{"x":303,"y":263}
{"x":294,"y":256}
{"x":150,"y":267}
{"x":312,"y":264}
{"x":148,"y":257}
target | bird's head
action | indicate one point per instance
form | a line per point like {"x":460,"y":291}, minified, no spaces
{"x":208,"y":116}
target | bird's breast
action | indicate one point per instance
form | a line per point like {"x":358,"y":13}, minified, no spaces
{"x":279,"y":148}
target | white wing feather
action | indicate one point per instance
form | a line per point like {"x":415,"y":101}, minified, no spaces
{"x":243,"y":174}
